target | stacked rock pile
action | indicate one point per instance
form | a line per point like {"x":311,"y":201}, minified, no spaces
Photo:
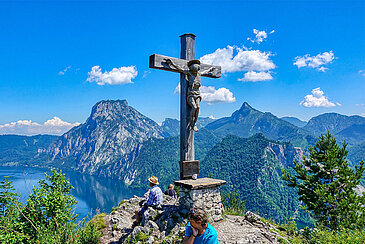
{"x":167,"y":225}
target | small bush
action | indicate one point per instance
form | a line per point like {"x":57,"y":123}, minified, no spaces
{"x":233,"y":203}
{"x":333,"y":237}
{"x":99,"y":221}
{"x":47,"y":217}
{"x":141,"y":237}
{"x":90,"y":234}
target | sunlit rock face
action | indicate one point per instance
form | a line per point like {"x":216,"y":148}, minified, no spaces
{"x":108,"y":139}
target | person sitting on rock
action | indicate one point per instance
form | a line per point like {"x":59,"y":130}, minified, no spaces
{"x":170,"y":191}
{"x":198,"y":230}
{"x":154,"y":200}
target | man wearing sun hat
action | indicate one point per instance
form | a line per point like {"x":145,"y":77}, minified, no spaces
{"x":154,"y":200}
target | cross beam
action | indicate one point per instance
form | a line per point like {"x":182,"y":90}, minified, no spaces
{"x":187,"y":154}
{"x":159,"y":62}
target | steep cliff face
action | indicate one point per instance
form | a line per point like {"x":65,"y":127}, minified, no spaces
{"x":285,"y":153}
{"x":108,"y":137}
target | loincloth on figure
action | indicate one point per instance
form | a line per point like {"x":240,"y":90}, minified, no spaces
{"x":193,"y":94}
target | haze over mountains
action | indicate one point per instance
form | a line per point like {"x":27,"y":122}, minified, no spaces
{"x":248,"y":149}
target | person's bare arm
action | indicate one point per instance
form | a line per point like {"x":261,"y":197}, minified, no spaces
{"x":188,"y":240}
{"x":170,"y":63}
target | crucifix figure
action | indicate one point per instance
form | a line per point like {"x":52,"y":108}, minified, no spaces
{"x":192,"y":75}
{"x":190,"y":70}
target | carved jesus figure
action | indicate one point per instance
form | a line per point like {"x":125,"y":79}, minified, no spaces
{"x":193,"y":96}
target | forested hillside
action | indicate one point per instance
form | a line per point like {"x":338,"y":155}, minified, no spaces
{"x":253,"y":167}
{"x":26,"y":150}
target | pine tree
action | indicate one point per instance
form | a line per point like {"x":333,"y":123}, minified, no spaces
{"x":326,"y":184}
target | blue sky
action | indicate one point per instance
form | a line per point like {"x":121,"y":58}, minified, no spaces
{"x":48,"y":50}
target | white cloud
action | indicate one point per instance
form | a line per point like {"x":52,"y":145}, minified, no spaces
{"x":243,"y":60}
{"x":317,"y":61}
{"x":359,"y":104}
{"x":256,"y":76}
{"x":362,"y":72}
{"x":62,"y":72}
{"x":259,"y":36}
{"x":210,"y":95}
{"x":317,"y":99}
{"x":117,"y":76}
{"x":53,"y":126}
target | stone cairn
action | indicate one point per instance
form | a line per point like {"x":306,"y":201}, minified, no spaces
{"x":204,"y":194}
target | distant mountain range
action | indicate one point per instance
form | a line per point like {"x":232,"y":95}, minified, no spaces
{"x":248,"y":121}
{"x":295,"y":121}
{"x":172,"y":126}
{"x":248,"y":149}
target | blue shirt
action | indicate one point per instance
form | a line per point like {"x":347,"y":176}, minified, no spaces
{"x":155,"y":197}
{"x":209,"y":236}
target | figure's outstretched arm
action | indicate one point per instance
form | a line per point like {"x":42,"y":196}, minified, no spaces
{"x":205,"y":72}
{"x":180,"y":69}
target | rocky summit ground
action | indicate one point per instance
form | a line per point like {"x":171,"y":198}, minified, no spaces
{"x":168,"y":226}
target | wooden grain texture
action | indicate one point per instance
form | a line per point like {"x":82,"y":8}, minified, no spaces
{"x":201,"y":183}
{"x":158,"y":62}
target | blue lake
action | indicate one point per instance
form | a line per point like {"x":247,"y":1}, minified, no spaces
{"x":91,"y":192}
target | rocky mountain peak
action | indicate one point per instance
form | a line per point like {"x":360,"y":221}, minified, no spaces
{"x":245,"y":105}
{"x":244,"y":111}
{"x":110,"y":109}
{"x":113,"y":130}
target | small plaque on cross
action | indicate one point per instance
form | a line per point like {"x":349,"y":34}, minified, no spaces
{"x":189,"y":168}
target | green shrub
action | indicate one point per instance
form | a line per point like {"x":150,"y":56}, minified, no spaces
{"x":233,"y":203}
{"x":47,"y":216}
{"x":99,"y":221}
{"x":343,"y":236}
{"x":90,"y":234}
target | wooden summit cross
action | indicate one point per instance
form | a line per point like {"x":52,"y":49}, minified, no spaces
{"x":190,"y":71}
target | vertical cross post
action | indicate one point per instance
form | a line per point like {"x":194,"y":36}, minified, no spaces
{"x":188,"y":165}
{"x":186,"y":135}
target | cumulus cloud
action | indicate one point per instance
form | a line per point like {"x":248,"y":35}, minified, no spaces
{"x":210,"y":95}
{"x":62,"y":72}
{"x":259,"y":36}
{"x":362,"y":72}
{"x":243,"y":60}
{"x":317,"y":61}
{"x":117,"y":76}
{"x":54,"y":126}
{"x":256,"y":76}
{"x":317,"y":99}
